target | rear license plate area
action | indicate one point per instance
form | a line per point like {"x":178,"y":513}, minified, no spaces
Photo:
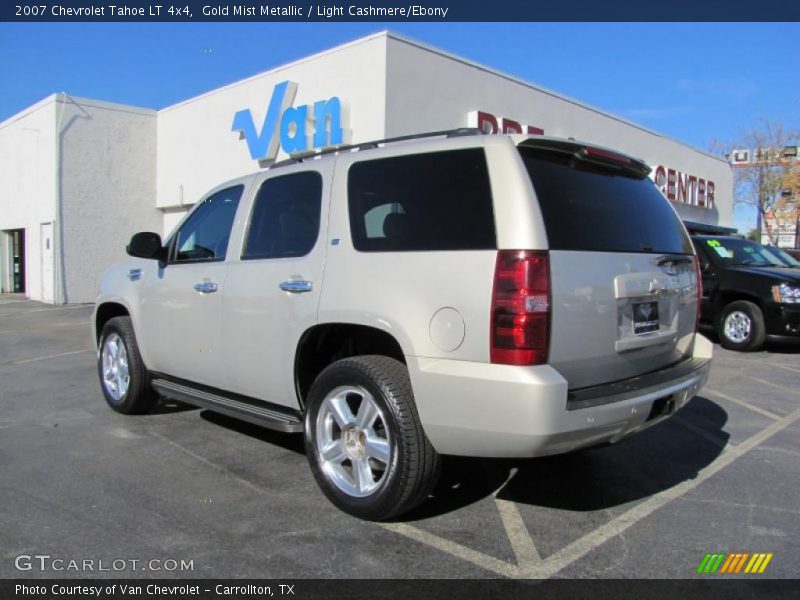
{"x":645,"y":317}
{"x":662,"y":407}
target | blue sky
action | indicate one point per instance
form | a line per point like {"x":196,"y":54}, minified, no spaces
{"x":695,"y":82}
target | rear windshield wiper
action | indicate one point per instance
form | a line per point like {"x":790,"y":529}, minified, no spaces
{"x":674,"y":259}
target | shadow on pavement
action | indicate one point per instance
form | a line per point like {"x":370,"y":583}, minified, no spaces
{"x":165,"y":406}
{"x":587,"y":480}
{"x":288,"y":441}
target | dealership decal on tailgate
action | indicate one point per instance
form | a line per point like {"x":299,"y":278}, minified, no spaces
{"x":645,"y":317}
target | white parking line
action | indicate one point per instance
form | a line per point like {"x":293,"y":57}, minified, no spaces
{"x":752,"y":407}
{"x":762,"y":362}
{"x":517,"y":532}
{"x":49,"y":356}
{"x":777,"y":386}
{"x":490,"y":563}
{"x":568,"y":555}
{"x":532,"y":567}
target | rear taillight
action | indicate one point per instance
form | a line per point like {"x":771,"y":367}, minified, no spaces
{"x":520,"y":319}
{"x":699,"y":291}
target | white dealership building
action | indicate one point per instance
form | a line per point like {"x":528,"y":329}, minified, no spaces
{"x":79,"y":176}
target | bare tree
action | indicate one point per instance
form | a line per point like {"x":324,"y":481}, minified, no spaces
{"x":766,"y":173}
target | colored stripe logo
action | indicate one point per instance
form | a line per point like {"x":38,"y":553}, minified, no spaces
{"x":735,"y":562}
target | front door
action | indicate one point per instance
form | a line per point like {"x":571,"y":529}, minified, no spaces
{"x":181,"y":301}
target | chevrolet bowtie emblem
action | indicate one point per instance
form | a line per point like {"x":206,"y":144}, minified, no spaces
{"x":655,"y":286}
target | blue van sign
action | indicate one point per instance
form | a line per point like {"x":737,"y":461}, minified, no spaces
{"x":287,"y":127}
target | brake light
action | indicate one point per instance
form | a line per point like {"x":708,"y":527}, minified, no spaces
{"x":599,"y":153}
{"x":520,"y":319}
{"x":699,"y":292}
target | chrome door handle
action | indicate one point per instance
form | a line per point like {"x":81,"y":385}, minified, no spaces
{"x":296,"y":286}
{"x":206,"y":287}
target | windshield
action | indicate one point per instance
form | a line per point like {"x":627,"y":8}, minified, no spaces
{"x":784,"y":257}
{"x":733,"y":252}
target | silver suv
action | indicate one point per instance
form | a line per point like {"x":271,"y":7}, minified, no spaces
{"x":496,"y":296}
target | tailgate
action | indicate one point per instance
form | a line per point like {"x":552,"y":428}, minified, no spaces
{"x":618,"y":315}
{"x":622,"y":268}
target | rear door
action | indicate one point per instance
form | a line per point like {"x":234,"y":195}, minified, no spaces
{"x":624,"y":293}
{"x":273,"y":284}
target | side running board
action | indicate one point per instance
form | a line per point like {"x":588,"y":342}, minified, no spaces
{"x":279,"y":418}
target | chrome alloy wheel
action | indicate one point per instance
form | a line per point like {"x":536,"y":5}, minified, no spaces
{"x":737,"y":326}
{"x":353,"y":442}
{"x":116,"y":377}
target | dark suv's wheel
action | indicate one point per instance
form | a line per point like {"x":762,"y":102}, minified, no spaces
{"x":741,"y":326}
{"x":364,"y":440}
{"x":123,"y":377}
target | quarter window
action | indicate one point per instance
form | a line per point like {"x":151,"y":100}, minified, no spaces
{"x":433,"y":201}
{"x":285,"y":219}
{"x":205,"y":234}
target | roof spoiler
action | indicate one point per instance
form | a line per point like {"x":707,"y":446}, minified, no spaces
{"x":589,"y":153}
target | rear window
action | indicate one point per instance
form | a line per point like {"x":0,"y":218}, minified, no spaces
{"x":433,"y":201}
{"x":588,"y":207}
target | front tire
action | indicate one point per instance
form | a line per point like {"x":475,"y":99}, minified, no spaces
{"x":364,"y":441}
{"x":123,"y":376}
{"x":741,"y":326}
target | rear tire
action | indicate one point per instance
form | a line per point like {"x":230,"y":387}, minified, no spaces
{"x":123,"y":377}
{"x":364,"y":441}
{"x":741,"y":327}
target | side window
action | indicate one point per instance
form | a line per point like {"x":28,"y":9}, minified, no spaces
{"x":205,"y":234}
{"x":433,"y":201}
{"x":285,"y":218}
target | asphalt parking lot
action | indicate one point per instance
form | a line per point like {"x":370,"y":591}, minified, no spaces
{"x":80,"y":482}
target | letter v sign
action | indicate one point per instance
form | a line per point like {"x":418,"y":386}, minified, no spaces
{"x":264,"y":145}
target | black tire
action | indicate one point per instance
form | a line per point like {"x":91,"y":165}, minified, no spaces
{"x":413,"y":466}
{"x":752,"y":333}
{"x":138,"y":397}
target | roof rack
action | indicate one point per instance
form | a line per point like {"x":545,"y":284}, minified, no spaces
{"x":302,"y":156}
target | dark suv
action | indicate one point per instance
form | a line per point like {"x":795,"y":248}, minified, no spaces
{"x":749,"y":294}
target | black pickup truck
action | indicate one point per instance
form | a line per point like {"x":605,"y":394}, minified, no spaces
{"x":749,"y":294}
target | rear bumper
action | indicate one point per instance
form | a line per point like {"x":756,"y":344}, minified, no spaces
{"x":479,"y":409}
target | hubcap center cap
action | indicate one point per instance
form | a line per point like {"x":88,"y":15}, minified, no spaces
{"x":355,"y":440}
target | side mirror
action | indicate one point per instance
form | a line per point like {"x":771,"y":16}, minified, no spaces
{"x":145,"y":244}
